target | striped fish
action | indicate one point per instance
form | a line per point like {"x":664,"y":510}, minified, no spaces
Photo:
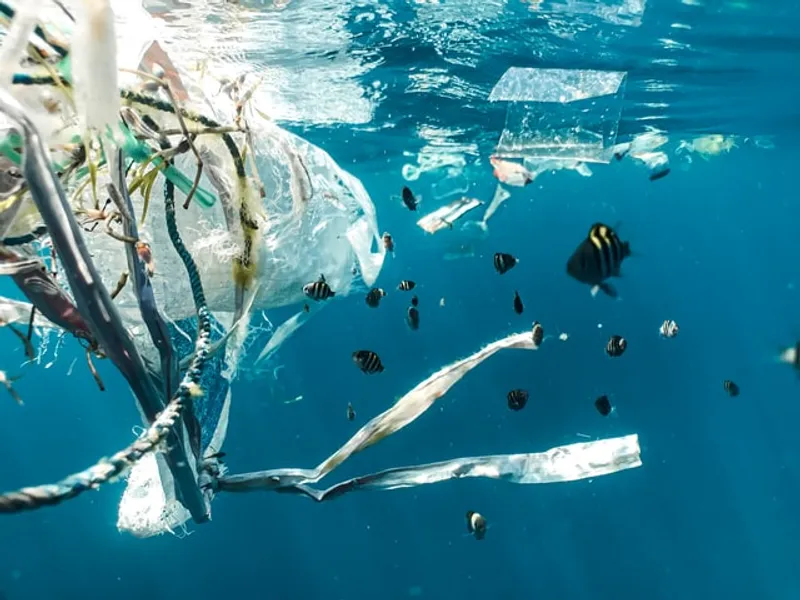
{"x":406,"y":285}
{"x":504,"y":262}
{"x":318,"y":290}
{"x":368,"y":361}
{"x":597,"y":258}
{"x":669,"y":329}
{"x":616,"y":346}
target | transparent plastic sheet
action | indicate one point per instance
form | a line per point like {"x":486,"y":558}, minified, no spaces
{"x":561,"y":464}
{"x":562,"y":114}
{"x":145,"y":509}
{"x":618,"y":12}
{"x":17,"y":312}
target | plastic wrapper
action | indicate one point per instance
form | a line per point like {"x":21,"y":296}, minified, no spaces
{"x":444,"y":217}
{"x":559,"y":113}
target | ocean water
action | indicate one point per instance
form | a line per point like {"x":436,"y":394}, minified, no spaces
{"x":711,"y":513}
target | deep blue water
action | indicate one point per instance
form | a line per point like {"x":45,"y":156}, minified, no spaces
{"x":711,"y":513}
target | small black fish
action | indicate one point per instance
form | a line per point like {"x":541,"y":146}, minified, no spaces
{"x":518,"y":308}
{"x":318,"y":290}
{"x":517,"y":399}
{"x":656,"y":175}
{"x":597,"y":258}
{"x":538,"y":334}
{"x":406,"y":285}
{"x":374,"y":296}
{"x":306,"y":308}
{"x":408,"y":198}
{"x":351,"y":413}
{"x":603,"y":405}
{"x":504,"y":262}
{"x":616,"y":346}
{"x":412,"y":318}
{"x":476,"y":524}
{"x":414,"y":301}
{"x":731,"y":388}
{"x":368,"y":361}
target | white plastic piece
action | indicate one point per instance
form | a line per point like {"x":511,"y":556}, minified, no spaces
{"x":555,"y":85}
{"x":444,"y":217}
{"x":500,"y":195}
{"x":94,"y":67}
{"x":17,"y":312}
{"x":16,"y":39}
{"x":283,"y":333}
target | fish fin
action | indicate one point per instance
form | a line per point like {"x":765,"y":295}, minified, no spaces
{"x":595,"y":289}
{"x":608,"y":289}
{"x":332,"y":294}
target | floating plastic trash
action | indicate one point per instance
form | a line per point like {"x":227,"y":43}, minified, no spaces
{"x":619,"y":12}
{"x":444,"y":217}
{"x":455,"y":184}
{"x":560,"y":113}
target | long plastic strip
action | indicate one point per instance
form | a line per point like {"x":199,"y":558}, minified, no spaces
{"x":582,"y":460}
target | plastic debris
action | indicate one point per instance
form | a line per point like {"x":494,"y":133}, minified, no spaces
{"x":560,"y":113}
{"x":444,"y":217}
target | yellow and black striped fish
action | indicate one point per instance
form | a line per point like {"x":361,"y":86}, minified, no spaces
{"x":597,"y":258}
{"x":318,"y":290}
{"x":368,"y":361}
